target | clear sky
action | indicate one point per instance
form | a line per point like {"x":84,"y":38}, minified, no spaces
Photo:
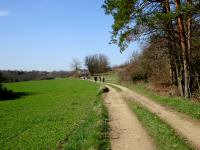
{"x":48,"y":34}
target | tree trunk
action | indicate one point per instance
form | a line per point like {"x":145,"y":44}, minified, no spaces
{"x":197,"y":80}
{"x":189,"y":22}
{"x":189,"y":35}
{"x":184,"y":49}
{"x":168,"y":29}
{"x":174,"y":54}
{"x":174,"y":79}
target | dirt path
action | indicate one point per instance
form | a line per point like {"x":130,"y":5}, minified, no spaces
{"x":126,"y":131}
{"x":184,"y":125}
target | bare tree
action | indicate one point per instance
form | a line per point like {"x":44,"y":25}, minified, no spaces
{"x":97,"y":63}
{"x":91,"y":63}
{"x":103,"y":63}
{"x":76,"y":64}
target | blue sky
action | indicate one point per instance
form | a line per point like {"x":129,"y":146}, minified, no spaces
{"x":48,"y":34}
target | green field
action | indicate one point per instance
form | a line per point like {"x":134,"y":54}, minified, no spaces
{"x":56,"y":114}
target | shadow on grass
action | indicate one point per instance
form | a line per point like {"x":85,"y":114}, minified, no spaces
{"x":6,"y":94}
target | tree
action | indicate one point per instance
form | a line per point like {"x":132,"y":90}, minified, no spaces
{"x":1,"y":80}
{"x":103,"y":63}
{"x":91,"y":63}
{"x":134,"y":19}
{"x":97,"y":63}
{"x":76,"y":64}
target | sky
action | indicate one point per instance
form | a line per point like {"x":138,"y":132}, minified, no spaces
{"x":48,"y":34}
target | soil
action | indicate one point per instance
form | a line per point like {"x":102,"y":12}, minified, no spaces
{"x":126,"y":131}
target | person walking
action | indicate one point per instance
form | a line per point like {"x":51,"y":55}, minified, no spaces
{"x":103,"y":79}
{"x":99,"y":78}
{"x":95,"y":79}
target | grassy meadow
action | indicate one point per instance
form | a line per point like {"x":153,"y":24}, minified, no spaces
{"x":55,"y":114}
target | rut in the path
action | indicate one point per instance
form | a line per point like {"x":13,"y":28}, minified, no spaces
{"x":126,"y":131}
{"x":184,"y":125}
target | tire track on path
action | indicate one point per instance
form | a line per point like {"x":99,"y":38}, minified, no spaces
{"x":126,"y":131}
{"x":184,"y":125}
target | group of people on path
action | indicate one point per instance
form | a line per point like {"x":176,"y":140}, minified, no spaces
{"x":96,"y":78}
{"x":101,"y":79}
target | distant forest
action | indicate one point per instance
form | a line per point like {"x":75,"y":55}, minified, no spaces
{"x":17,"y":76}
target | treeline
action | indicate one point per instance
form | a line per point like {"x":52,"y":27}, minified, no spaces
{"x":17,"y":76}
{"x":172,"y":28}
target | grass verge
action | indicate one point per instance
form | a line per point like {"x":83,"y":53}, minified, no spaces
{"x":112,"y":78}
{"x":180,"y":104}
{"x":93,"y":132}
{"x":164,"y":136}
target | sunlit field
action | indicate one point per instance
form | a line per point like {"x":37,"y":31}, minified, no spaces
{"x":51,"y":115}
